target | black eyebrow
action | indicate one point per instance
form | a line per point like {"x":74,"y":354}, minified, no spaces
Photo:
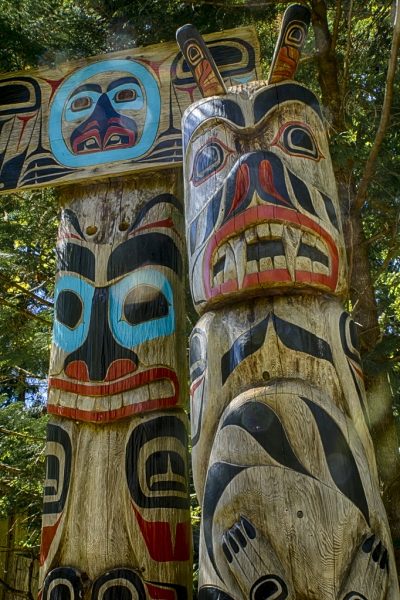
{"x":146,"y":249}
{"x":121,"y":81}
{"x":76,"y":258}
{"x":71,"y":217}
{"x":160,"y":199}
{"x":276,"y":94}
{"x":216,"y":108}
{"x":87,"y":87}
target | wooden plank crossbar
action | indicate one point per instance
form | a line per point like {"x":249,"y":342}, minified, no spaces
{"x":110,"y":114}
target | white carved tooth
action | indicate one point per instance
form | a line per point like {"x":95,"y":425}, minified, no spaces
{"x":276,"y":230}
{"x":230,"y":265}
{"x":291,"y":242}
{"x":280,"y":262}
{"x":263,"y":231}
{"x":320,"y":268}
{"x":321,"y":247}
{"x":251,"y":235}
{"x":303,"y":264}
{"x":161,"y":389}
{"x":218,"y":279}
{"x":240,"y":249}
{"x":251,"y":267}
{"x":266,"y":264}
{"x":308,"y":238}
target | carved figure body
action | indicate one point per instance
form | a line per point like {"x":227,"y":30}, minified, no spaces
{"x":116,"y":520}
{"x":283,"y":461}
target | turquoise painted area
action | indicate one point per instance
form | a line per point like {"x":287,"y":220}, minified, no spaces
{"x":60,"y":112}
{"x":131,"y":335}
{"x":66,"y":338}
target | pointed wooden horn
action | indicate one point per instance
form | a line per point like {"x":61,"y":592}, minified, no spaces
{"x":200,"y":62}
{"x":292,"y":38}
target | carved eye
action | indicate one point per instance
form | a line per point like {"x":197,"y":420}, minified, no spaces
{"x":82,"y":103}
{"x":297,"y":139}
{"x":127,"y":95}
{"x":69,"y":309}
{"x":209,"y":159}
{"x":144,"y":303}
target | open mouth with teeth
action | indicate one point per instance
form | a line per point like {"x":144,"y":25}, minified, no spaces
{"x":149,"y":390}
{"x":271,"y":246}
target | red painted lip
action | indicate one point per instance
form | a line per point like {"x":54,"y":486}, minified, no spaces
{"x":115,"y":387}
{"x":114,"y":127}
{"x":272,"y":213}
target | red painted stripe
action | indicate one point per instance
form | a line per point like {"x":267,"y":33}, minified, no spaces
{"x":271,"y":213}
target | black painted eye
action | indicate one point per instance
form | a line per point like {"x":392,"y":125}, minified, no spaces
{"x":209,"y":159}
{"x":297,"y":139}
{"x":82,"y":103}
{"x":144,"y":303}
{"x":127,"y":95}
{"x":69,"y":309}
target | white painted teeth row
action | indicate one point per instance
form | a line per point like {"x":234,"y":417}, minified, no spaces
{"x":293,"y":250}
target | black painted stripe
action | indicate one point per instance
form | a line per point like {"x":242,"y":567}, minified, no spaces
{"x":75,"y":258}
{"x":330,"y":209}
{"x":264,"y":249}
{"x":265,"y":427}
{"x":302,"y":194}
{"x":302,"y":340}
{"x":215,"y":108}
{"x":340,"y":460}
{"x":313,"y":254}
{"x":146,"y":249}
{"x":160,"y":199}
{"x":277,"y":94}
{"x":244,"y":346}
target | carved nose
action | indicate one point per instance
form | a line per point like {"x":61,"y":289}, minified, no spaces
{"x":119,"y":368}
{"x":100,"y":358}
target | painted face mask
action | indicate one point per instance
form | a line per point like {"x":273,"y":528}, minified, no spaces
{"x":116,"y":307}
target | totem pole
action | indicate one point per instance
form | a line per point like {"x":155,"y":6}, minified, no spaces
{"x":116,"y":516}
{"x":283,"y":461}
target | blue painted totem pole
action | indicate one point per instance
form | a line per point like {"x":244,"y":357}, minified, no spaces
{"x":283,"y":461}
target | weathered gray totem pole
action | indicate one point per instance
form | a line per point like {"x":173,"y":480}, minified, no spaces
{"x":283,"y":461}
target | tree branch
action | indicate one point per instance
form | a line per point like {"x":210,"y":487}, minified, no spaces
{"x":335,"y":33}
{"x":21,"y":435}
{"x":25,"y":291}
{"x":385,"y":116}
{"x":26,"y":313}
{"x":347,"y":57}
{"x":9,"y":469}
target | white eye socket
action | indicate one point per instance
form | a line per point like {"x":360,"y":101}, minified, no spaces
{"x":127,"y":95}
{"x":298,"y":139}
{"x":82,"y":103}
{"x":144,"y":303}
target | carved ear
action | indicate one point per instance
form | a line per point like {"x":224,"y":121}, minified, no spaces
{"x":290,"y":43}
{"x":200,"y":62}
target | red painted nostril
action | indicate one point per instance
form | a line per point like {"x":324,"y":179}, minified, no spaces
{"x":266,"y":179}
{"x":119,"y":368}
{"x":77,"y":370}
{"x":242,"y":186}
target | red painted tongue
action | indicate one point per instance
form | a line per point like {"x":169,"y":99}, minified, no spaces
{"x":242,"y":186}
{"x":78,"y":370}
{"x":266,"y":179}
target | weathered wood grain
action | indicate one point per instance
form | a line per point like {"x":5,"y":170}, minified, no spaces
{"x":283,"y":460}
{"x":116,"y":520}
{"x":107,"y":115}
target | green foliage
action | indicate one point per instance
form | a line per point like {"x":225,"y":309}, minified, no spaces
{"x":22,"y":466}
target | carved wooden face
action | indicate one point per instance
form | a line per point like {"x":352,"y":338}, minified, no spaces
{"x":261,"y":204}
{"x":116,"y":305}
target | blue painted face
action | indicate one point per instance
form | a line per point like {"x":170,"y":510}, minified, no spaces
{"x":106,"y":112}
{"x":140,"y":308}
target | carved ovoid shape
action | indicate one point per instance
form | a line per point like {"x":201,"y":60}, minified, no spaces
{"x":283,"y":461}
